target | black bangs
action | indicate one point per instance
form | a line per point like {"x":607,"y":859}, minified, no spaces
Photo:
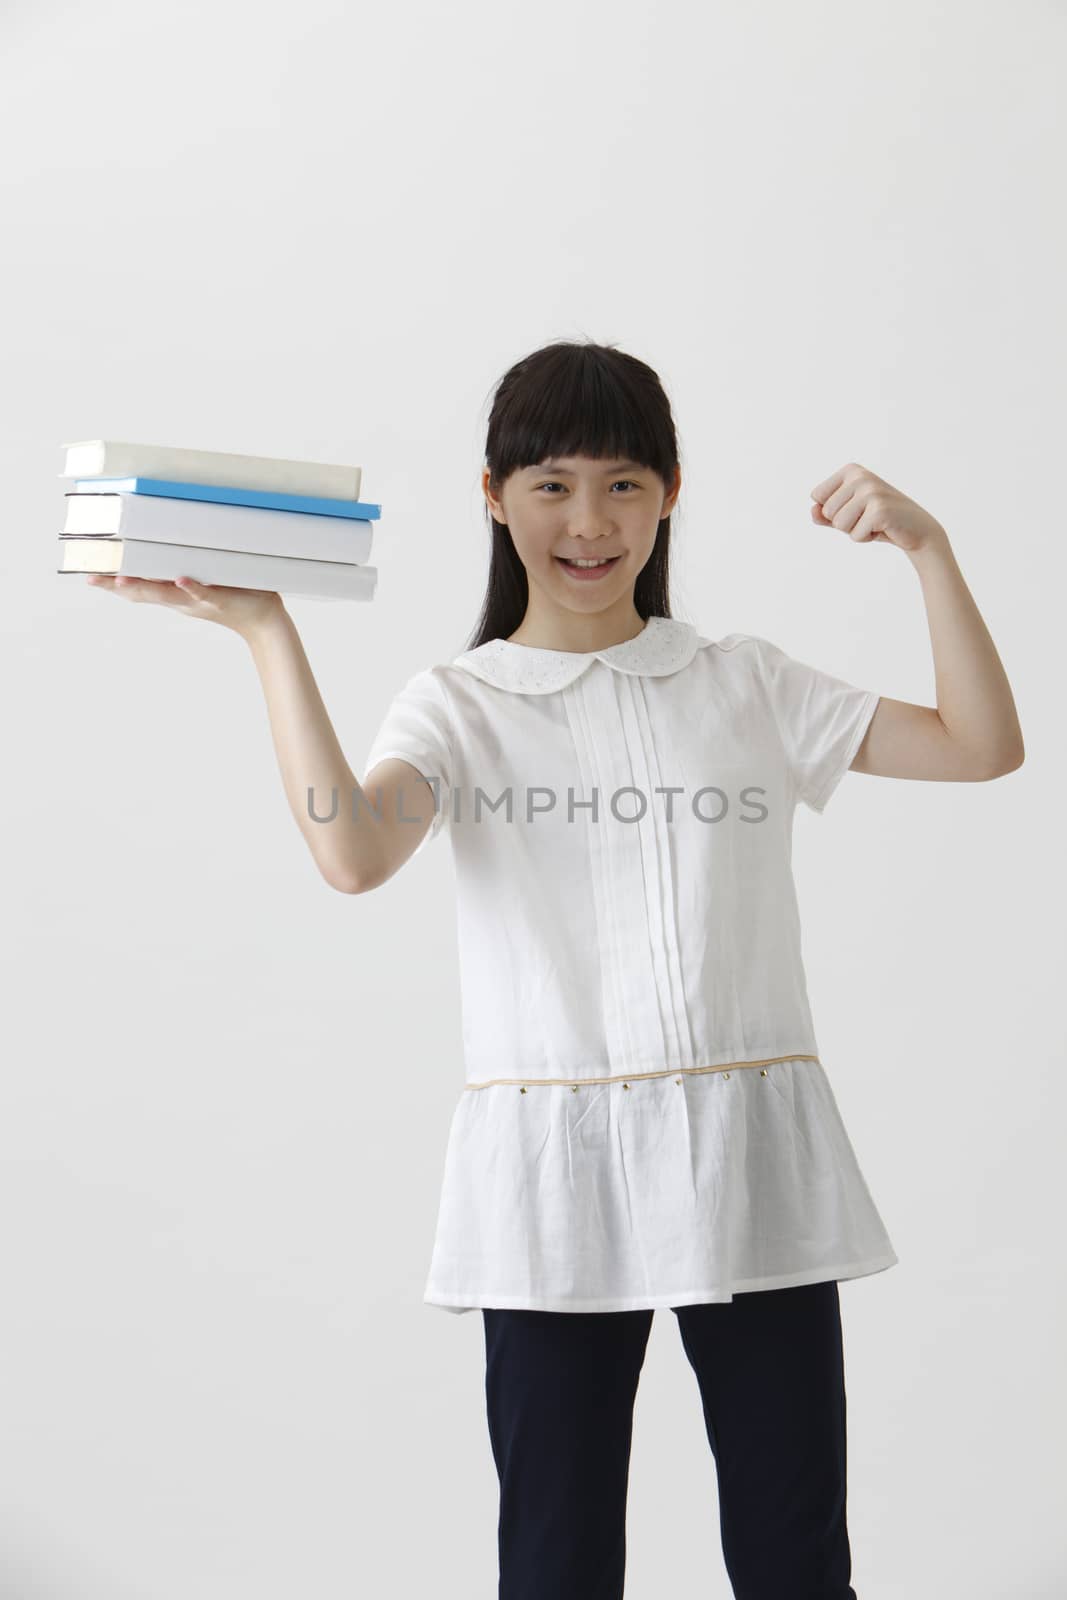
{"x":569,"y":400}
{"x":574,"y":399}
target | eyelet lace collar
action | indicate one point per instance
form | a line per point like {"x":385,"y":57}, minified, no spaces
{"x":664,"y":645}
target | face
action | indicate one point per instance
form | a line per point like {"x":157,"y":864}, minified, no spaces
{"x":575,"y":506}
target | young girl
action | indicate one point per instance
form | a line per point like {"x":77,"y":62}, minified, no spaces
{"x":645,"y":1120}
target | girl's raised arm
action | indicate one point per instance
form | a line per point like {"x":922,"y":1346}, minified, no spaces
{"x":973,"y":732}
{"x":358,"y":837}
{"x":361,"y":837}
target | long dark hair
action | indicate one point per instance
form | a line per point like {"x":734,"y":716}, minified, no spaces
{"x":571,"y":398}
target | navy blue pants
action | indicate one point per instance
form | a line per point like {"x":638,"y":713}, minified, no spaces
{"x":560,"y":1389}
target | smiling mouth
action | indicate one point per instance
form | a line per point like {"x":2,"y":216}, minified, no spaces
{"x":600,"y":566}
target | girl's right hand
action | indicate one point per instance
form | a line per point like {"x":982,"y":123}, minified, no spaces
{"x":239,"y":609}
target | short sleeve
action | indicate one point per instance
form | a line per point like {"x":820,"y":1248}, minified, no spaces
{"x":417,"y":728}
{"x":821,"y":720}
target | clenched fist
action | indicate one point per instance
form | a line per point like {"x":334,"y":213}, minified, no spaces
{"x":864,"y":506}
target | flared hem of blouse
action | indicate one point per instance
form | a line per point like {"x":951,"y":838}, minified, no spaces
{"x":652,"y":1302}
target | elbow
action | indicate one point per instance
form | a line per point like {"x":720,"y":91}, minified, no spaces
{"x":1010,"y":761}
{"x":347,"y":881}
{"x":349,"y":876}
{"x":353,"y":885}
{"x":345,"y":885}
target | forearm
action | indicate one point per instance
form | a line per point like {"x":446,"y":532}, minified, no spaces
{"x":309,"y":755}
{"x":974,"y":698}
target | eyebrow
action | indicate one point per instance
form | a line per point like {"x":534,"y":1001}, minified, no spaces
{"x":620,"y":466}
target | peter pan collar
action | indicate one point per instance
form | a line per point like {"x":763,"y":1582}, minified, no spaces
{"x":664,"y":645}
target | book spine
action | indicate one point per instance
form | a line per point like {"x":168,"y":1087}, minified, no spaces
{"x":319,"y":479}
{"x":219,"y":494}
{"x":239,"y":569}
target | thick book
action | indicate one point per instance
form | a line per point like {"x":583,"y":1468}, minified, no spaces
{"x":162,"y":520}
{"x":239,"y":569}
{"x":117,"y":458}
{"x":270,"y":499}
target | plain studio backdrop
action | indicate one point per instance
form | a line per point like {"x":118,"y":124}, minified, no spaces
{"x":837,"y":232}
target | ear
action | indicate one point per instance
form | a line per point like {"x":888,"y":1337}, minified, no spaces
{"x":672,"y":493}
{"x":495,"y":506}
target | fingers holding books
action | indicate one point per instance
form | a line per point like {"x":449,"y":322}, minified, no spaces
{"x":211,"y":602}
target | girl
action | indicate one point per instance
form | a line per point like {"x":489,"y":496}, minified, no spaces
{"x":645,"y":1120}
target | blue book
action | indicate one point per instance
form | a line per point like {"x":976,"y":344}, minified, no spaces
{"x":362,"y":510}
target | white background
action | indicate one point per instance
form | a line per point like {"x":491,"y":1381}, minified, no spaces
{"x":837,"y":232}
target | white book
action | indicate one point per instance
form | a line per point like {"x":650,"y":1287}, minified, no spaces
{"x":140,"y":558}
{"x":116,"y":458}
{"x":210,"y":524}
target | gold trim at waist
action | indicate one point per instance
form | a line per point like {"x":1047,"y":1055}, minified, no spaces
{"x":677,"y":1073}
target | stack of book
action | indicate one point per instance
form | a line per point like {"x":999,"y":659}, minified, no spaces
{"x":250,"y":522}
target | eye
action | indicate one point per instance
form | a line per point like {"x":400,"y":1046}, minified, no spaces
{"x":556,"y":485}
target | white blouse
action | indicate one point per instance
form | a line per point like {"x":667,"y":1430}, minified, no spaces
{"x":645,"y":1120}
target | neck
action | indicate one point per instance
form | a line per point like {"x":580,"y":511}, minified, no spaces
{"x":557,"y":629}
